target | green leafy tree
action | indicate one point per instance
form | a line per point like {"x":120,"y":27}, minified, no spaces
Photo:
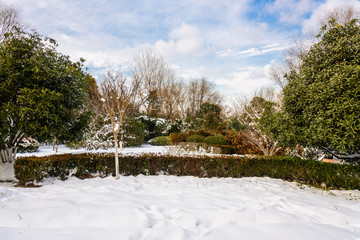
{"x":321,"y":103}
{"x":210,"y":115}
{"x":42,"y":92}
{"x":258,"y":115}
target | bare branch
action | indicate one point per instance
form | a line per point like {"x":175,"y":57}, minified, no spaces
{"x":9,"y":18}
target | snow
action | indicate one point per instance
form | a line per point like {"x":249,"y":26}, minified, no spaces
{"x":169,"y":207}
{"x":7,"y":171}
{"x":46,"y":150}
{"x":116,"y":127}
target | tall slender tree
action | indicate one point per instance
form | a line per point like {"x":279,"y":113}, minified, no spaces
{"x":117,"y":97}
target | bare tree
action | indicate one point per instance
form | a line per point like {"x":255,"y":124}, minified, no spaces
{"x":291,"y":62}
{"x":166,"y":95}
{"x":151,"y":69}
{"x":339,"y":16}
{"x":199,"y":92}
{"x":250,"y":111}
{"x":118,"y":95}
{"x":9,"y":18}
{"x":170,"y":95}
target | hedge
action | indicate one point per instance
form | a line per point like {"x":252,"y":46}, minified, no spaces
{"x":159,"y":141}
{"x":195,"y":138}
{"x":218,"y":140}
{"x":334,"y":176}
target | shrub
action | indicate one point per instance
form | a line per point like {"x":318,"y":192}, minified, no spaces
{"x":240,"y":144}
{"x":225,"y":149}
{"x":199,"y":148}
{"x":28,"y":144}
{"x":196,"y":138}
{"x":218,"y":140}
{"x":134,"y":133}
{"x":201,"y":132}
{"x":100,"y":135}
{"x":154,"y":127}
{"x":334,"y":176}
{"x":74,"y":145}
{"x":177,"y":137}
{"x":160,"y":141}
{"x":177,"y":125}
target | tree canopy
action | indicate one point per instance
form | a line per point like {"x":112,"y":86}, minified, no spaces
{"x":42,"y":92}
{"x":321,"y":101}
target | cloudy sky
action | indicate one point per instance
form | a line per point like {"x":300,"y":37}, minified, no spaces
{"x":232,"y":43}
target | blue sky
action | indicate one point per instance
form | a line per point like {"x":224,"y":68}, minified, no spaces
{"x":232,"y":43}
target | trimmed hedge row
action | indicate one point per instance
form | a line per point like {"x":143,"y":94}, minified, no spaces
{"x":334,"y":176}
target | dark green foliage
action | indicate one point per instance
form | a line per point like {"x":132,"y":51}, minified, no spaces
{"x":176,"y":126}
{"x":334,"y":176}
{"x":224,"y":149}
{"x":193,"y":122}
{"x":134,"y":133}
{"x":74,"y":145}
{"x":210,"y":115}
{"x":218,"y":140}
{"x":42,"y":92}
{"x":195,"y":138}
{"x":235,"y":125}
{"x":201,"y":132}
{"x":160,"y":141}
{"x":154,"y":127}
{"x":321,"y":104}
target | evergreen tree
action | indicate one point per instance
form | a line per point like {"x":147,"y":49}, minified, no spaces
{"x":42,"y":92}
{"x":321,"y":104}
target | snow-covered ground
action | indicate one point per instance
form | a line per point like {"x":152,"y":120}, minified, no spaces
{"x":169,"y":207}
{"x":45,"y":150}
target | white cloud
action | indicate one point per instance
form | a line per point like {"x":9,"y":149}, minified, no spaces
{"x":240,"y":33}
{"x":184,"y":40}
{"x":246,"y":81}
{"x":192,"y":33}
{"x":291,"y":11}
{"x":253,"y":51}
{"x":313,"y":25}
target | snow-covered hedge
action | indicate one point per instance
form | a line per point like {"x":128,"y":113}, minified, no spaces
{"x":333,"y":176}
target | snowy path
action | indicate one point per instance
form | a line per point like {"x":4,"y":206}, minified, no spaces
{"x":169,"y":207}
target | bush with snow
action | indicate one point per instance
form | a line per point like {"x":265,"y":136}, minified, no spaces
{"x":28,"y":144}
{"x":100,"y":135}
{"x":154,"y":127}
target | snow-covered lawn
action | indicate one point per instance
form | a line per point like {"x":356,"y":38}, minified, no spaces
{"x":45,"y":150}
{"x":169,"y":207}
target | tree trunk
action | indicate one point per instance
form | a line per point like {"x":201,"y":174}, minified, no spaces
{"x":116,"y":158}
{"x":121,"y":141}
{"x":8,"y":155}
{"x":56,"y":146}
